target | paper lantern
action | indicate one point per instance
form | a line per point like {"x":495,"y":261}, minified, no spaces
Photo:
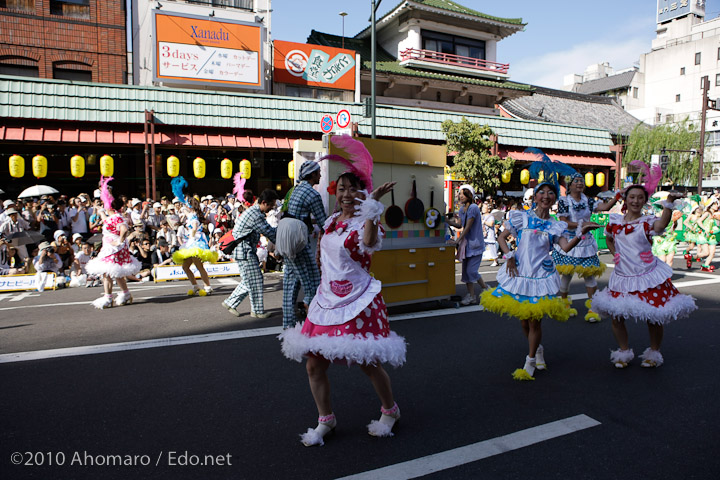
{"x":589,"y":179}
{"x":506,"y":175}
{"x":245,"y":169}
{"x":17,"y":166}
{"x":77,"y":166}
{"x":39,"y":166}
{"x":173,"y":166}
{"x":600,"y":179}
{"x":226,"y":168}
{"x":291,"y":169}
{"x":199,"y":167}
{"x":107,"y":166}
{"x":525,"y":176}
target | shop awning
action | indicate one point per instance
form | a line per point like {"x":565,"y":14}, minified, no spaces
{"x":584,"y":160}
{"x":128,"y":137}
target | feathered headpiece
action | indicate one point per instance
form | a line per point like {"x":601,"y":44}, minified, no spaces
{"x":360,"y":162}
{"x":651,"y":175}
{"x":177,"y":184}
{"x":105,"y":194}
{"x":552,"y":170}
{"x":238,"y":186}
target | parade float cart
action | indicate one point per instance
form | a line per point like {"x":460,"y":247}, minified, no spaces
{"x":415,"y":264}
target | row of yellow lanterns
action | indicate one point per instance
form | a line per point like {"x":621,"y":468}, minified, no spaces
{"x":107,"y":164}
{"x":39,"y":166}
{"x":590,"y":179}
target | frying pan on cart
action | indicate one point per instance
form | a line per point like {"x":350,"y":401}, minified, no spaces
{"x":394,"y":215}
{"x":414,"y":208}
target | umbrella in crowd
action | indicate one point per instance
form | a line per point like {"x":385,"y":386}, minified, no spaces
{"x":95,"y":239}
{"x":37,"y":191}
{"x":25,"y":238}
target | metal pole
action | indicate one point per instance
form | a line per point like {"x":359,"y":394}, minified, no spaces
{"x":147,"y":173}
{"x":372,"y":70}
{"x":703,"y":116}
{"x":152,"y":154}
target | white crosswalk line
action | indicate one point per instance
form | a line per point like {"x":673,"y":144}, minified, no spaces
{"x":477,"y":451}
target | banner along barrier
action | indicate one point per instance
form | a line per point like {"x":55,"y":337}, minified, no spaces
{"x":167,"y":273}
{"x":16,"y":283}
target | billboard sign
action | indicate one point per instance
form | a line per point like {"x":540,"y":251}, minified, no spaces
{"x":191,"y":49}
{"x":314,"y":65}
{"x":669,"y":9}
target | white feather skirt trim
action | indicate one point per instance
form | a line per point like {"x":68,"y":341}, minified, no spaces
{"x":113,"y":270}
{"x":631,"y":307}
{"x":350,"y":348}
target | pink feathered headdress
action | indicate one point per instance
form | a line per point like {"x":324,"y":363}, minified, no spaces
{"x":651,"y":175}
{"x":105,"y":194}
{"x":360,"y":162}
{"x":238,"y":186}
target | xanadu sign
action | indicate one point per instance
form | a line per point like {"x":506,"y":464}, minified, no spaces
{"x":191,"y":49}
{"x":314,"y":65}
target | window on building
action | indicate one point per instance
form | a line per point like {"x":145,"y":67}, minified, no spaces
{"x":682,"y":70}
{"x":244,"y":4}
{"x":76,"y":71}
{"x":669,"y":118}
{"x":18,"y":5}
{"x":717,"y":79}
{"x":19,"y":66}
{"x":718,"y":56}
{"x":677,"y":97}
{"x":309,"y":92}
{"x":71,"y":8}
{"x":635,"y":92}
{"x":697,"y":58}
{"x":658,"y":117}
{"x":444,"y":43}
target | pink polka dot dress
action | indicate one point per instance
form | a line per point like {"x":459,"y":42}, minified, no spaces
{"x":640,"y":287}
{"x":114,"y":259}
{"x":347,"y":320}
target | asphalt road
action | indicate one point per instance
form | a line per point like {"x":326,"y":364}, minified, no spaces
{"x":235,"y":405}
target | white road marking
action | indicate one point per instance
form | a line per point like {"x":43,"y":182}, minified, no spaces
{"x":477,"y":451}
{"x":226,"y":281}
{"x":21,"y":295}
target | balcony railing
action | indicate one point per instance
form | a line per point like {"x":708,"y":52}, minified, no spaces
{"x":453,"y":60}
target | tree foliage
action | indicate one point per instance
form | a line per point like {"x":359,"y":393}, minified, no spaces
{"x":683,"y":166}
{"x":473,"y":160}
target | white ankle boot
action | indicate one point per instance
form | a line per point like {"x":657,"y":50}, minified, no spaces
{"x":526,"y":373}
{"x":123,"y":298}
{"x":621,"y":358}
{"x":540,"y":358}
{"x":384,"y":426}
{"x":651,"y":358}
{"x":314,"y":437}
{"x":106,"y":301}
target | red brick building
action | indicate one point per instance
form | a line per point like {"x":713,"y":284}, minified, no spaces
{"x":81,"y":40}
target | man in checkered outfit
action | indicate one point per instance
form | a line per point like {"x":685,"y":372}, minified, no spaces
{"x":303,"y":269}
{"x":249,"y":226}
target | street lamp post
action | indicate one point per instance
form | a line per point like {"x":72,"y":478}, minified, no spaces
{"x":343,"y":15}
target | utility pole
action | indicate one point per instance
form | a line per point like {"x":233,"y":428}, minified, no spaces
{"x":374,"y":6}
{"x":703,"y":116}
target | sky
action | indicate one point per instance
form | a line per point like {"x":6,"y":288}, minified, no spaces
{"x":561,"y":36}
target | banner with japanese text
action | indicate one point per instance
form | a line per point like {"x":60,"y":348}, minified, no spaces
{"x":313,"y":65}
{"x":175,"y":272}
{"x":191,"y":49}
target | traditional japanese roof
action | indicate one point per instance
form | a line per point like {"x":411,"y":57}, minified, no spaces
{"x":84,"y":105}
{"x":606,"y":84}
{"x":569,"y":108}
{"x":502,"y":26}
{"x":386,"y":63}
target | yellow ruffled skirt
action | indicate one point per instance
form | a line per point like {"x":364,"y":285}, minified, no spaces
{"x":504,"y":303}
{"x":203,"y":254}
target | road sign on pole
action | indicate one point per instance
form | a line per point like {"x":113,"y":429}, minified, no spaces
{"x":343,"y":119}
{"x":326,"y":124}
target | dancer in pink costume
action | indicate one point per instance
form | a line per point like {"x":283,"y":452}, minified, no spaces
{"x":347,"y":321}
{"x":114,"y":261}
{"x":640,"y":287}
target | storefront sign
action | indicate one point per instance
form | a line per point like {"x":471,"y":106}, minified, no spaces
{"x":13,"y":283}
{"x":175,"y":272}
{"x":669,"y":9}
{"x":314,"y":65}
{"x":192,"y":49}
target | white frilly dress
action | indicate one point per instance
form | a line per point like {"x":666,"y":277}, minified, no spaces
{"x":114,"y":259}
{"x":583,"y":259}
{"x":347,"y":320}
{"x":532,"y":294}
{"x":639,"y":286}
